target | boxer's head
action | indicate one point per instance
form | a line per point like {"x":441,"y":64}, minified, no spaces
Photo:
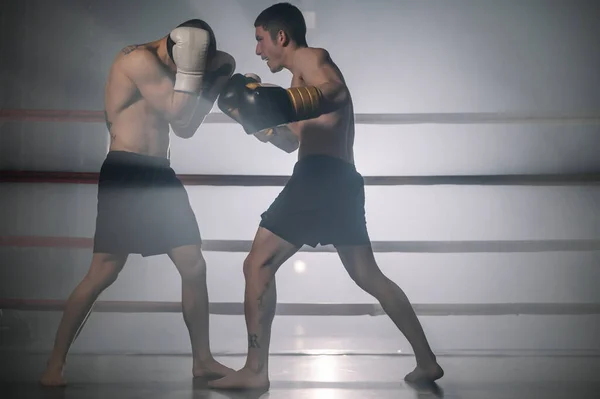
{"x":195,"y":23}
{"x":279,"y":28}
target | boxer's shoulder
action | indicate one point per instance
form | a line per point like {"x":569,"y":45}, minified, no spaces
{"x":310,"y":58}
{"x":135,"y":53}
{"x":136,"y":59}
{"x":131,"y":48}
{"x":312,"y":54}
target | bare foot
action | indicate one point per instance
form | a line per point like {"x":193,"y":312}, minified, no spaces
{"x":53,"y":376}
{"x":244,"y":379}
{"x":425,"y":374}
{"x":210,"y":370}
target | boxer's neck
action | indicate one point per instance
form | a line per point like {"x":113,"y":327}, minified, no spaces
{"x":289,"y":54}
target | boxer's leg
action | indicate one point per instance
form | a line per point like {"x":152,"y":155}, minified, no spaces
{"x":103,"y":271}
{"x":175,"y":230}
{"x":351,"y":239}
{"x":267,"y":254}
{"x":194,"y":298}
{"x":360,"y":263}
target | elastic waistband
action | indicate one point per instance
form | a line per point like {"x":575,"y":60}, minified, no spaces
{"x":133,"y":158}
{"x":324,"y":161}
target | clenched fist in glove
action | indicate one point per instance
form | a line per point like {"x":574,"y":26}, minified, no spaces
{"x":258,"y":107}
{"x":190,"y":46}
{"x":280,"y":136}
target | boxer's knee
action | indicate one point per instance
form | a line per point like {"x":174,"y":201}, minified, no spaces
{"x":190,"y":262}
{"x":256,"y":269}
{"x":372,"y":284}
{"x":362,"y":267}
{"x":104,"y":271}
{"x":251,"y":266}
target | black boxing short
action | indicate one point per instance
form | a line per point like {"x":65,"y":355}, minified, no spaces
{"x":322,"y":203}
{"x":143,"y":208}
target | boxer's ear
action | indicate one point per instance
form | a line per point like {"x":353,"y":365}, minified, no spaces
{"x":282,"y":38}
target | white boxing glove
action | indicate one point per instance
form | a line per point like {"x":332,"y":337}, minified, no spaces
{"x":189,"y":55}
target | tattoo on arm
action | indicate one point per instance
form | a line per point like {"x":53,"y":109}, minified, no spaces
{"x":130,"y":49}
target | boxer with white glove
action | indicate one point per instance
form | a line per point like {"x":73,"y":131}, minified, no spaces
{"x":143,"y":207}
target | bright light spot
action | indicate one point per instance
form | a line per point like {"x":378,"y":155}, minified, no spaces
{"x":325,"y":368}
{"x":299,"y":266}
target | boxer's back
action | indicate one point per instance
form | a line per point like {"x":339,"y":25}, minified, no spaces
{"x":133,"y":125}
{"x":329,"y":134}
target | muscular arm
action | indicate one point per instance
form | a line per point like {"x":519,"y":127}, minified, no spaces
{"x":156,"y":87}
{"x":316,"y":68}
{"x":312,"y":67}
{"x":219,"y":71}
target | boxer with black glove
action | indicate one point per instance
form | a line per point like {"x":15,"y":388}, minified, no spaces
{"x":323,"y":202}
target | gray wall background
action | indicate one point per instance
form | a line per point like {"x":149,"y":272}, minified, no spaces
{"x":528,"y":56}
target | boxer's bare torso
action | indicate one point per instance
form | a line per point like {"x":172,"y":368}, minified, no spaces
{"x":133,"y":124}
{"x":141,"y":105}
{"x":332,"y":133}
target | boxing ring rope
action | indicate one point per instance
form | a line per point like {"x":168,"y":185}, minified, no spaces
{"x":326,"y":309}
{"x":91,"y":116}
{"x":44,"y":115}
{"x":9,"y":176}
{"x":320,"y":309}
{"x":243,"y":246}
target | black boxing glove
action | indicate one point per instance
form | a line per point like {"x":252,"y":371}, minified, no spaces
{"x":256,"y":106}
{"x":218,"y":71}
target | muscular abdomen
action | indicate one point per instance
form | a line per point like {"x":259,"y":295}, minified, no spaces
{"x":139,"y":129}
{"x":331,"y":134}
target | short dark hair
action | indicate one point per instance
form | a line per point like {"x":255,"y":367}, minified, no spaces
{"x":195,"y":23}
{"x":285,"y":17}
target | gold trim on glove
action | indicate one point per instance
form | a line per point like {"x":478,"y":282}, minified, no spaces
{"x":306,"y":101}
{"x":253,"y":85}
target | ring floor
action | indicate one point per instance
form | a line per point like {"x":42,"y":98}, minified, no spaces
{"x":309,"y":377}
